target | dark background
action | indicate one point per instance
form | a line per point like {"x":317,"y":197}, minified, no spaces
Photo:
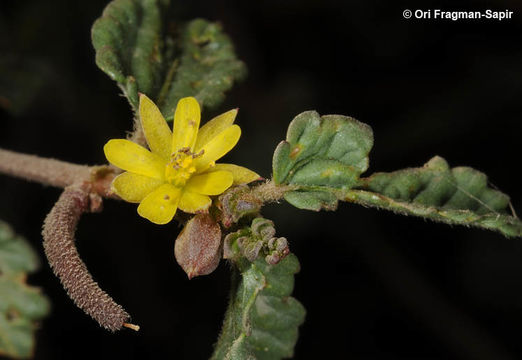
{"x":375,"y":285}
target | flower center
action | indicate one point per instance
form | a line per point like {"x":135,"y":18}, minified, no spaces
{"x":181,"y":167}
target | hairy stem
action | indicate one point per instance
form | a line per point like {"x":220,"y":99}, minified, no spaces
{"x":45,"y":171}
{"x":84,"y":188}
{"x":243,"y":200}
{"x":58,"y":233}
{"x":269,"y":192}
{"x":93,"y":179}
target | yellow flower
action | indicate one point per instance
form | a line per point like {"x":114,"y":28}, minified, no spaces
{"x":179,"y":171}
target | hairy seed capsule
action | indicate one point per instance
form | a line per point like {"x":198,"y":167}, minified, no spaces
{"x":58,"y":233}
{"x":198,"y":247}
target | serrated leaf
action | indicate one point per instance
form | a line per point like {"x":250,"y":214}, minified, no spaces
{"x":321,"y":153}
{"x":137,"y":48}
{"x":312,"y":200}
{"x":208,"y":67}
{"x":459,"y":195}
{"x":21,"y":306}
{"x":36,"y":75}
{"x":16,"y":256}
{"x":262,"y":319}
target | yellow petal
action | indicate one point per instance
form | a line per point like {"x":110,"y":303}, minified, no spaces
{"x":218,"y":147}
{"x":241,"y":175}
{"x":211,"y":183}
{"x":131,"y":157}
{"x":157,"y":132}
{"x":186,"y":124}
{"x":191,"y":202}
{"x":212,"y":128}
{"x":160,"y":205}
{"x":133,"y":187}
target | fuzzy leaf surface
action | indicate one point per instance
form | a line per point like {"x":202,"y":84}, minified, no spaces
{"x":459,"y":195}
{"x":36,"y":75}
{"x":262,"y":319}
{"x":143,"y":52}
{"x":21,"y":305}
{"x":321,"y":154}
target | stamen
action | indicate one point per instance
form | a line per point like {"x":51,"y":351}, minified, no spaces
{"x":198,"y":154}
{"x":180,"y":168}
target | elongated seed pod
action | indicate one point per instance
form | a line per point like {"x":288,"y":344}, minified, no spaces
{"x":58,"y":234}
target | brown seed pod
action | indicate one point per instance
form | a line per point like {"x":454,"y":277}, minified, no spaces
{"x":58,"y":234}
{"x":198,"y":247}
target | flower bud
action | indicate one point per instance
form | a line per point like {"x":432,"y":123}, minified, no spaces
{"x":254,"y":241}
{"x":198,"y":246}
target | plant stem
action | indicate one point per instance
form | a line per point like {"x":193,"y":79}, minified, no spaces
{"x":84,"y":187}
{"x":42,"y":170}
{"x":62,"y":174}
{"x":93,"y":179}
{"x":269,"y":192}
{"x":230,"y":331}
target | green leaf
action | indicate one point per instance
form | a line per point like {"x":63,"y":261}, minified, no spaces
{"x":323,"y":158}
{"x":321,"y":154}
{"x":21,"y":306}
{"x":312,"y":200}
{"x":16,"y":256}
{"x":459,"y":195}
{"x":24,"y":79}
{"x":208,"y":67}
{"x":262,"y":319}
{"x":137,"y":48}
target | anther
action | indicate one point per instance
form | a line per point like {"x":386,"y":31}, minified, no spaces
{"x":198,"y":154}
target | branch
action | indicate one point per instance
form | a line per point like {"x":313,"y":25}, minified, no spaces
{"x":93,"y":179}
{"x":58,"y":233}
{"x":45,"y":171}
{"x":268,"y":192}
{"x":84,"y":188}
{"x":243,"y":200}
{"x":97,"y":179}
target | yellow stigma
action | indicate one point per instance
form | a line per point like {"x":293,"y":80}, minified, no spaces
{"x":180,"y":167}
